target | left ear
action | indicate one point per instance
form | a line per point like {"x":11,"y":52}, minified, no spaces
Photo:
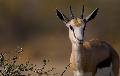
{"x":91,"y":16}
{"x":62,"y":17}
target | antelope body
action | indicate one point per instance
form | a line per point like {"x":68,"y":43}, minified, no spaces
{"x":87,"y":57}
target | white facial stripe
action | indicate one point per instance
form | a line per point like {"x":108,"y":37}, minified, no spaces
{"x":76,"y":35}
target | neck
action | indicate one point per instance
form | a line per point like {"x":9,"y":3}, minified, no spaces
{"x":78,"y":53}
{"x":77,"y":47}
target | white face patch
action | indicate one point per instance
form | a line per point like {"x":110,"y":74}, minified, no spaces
{"x":76,"y":30}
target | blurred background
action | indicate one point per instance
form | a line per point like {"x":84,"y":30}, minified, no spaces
{"x":33,"y":25}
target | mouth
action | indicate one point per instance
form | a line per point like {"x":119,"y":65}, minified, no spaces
{"x":81,"y":41}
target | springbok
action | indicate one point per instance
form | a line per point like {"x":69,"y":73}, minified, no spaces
{"x":87,"y":57}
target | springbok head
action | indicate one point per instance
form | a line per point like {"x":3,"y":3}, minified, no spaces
{"x":76,"y":25}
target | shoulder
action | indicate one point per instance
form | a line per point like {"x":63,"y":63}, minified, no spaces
{"x":95,"y":43}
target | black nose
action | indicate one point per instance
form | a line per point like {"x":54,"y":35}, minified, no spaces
{"x":81,"y":41}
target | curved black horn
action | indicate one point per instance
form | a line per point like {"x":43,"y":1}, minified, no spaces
{"x":82,"y":12}
{"x":72,"y":15}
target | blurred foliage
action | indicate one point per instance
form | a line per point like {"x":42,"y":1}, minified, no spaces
{"x":11,"y":67}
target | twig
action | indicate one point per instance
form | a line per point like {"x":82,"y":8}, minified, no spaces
{"x":65,"y":70}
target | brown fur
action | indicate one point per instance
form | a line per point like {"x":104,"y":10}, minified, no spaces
{"x":92,"y":53}
{"x":77,"y":22}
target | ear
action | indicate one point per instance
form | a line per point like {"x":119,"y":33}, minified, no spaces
{"x":91,"y":16}
{"x":62,"y":16}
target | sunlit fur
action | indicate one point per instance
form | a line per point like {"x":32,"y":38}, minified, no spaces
{"x":76,"y":22}
{"x":86,"y":57}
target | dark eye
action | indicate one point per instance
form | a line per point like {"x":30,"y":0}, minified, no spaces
{"x":71,"y":28}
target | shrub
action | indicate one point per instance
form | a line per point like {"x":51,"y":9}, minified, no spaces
{"x":10,"y":67}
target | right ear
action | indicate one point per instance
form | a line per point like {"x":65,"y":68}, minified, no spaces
{"x":62,"y":16}
{"x":91,"y":16}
